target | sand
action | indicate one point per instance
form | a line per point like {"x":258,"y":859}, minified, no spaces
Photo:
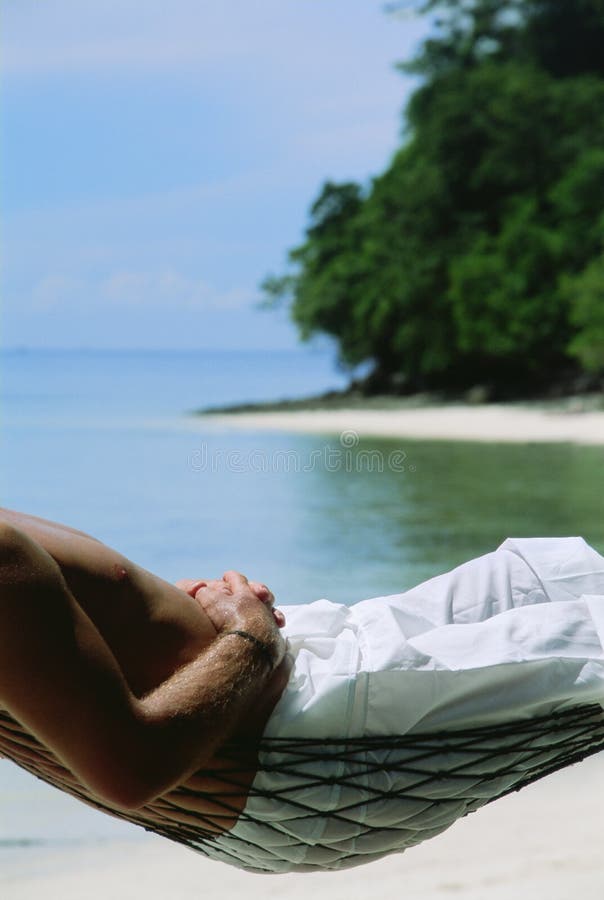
{"x":543,"y":843}
{"x":485,"y":422}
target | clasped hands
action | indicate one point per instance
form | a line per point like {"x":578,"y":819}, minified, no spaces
{"x":231,"y":603}
{"x":235,"y":603}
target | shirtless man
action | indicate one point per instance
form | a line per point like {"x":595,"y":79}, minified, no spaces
{"x":149,"y":700}
{"x":129,"y":685}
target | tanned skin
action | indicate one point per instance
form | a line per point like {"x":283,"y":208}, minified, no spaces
{"x":132,"y":683}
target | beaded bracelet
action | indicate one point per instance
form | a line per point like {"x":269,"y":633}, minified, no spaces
{"x":260,"y":645}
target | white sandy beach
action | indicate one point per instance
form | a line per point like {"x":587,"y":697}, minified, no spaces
{"x":484,"y":422}
{"x":543,"y":843}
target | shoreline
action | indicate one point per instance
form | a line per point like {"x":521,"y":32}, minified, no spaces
{"x":578,"y":420}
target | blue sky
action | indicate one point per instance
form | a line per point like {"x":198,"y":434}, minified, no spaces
{"x":159,"y":159}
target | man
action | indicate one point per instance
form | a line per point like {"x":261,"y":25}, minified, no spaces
{"x":132,"y":683}
{"x":180,"y":709}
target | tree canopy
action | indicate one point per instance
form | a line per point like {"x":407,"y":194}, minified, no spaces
{"x":478,"y":255}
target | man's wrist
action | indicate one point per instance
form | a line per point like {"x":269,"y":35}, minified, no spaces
{"x":263,"y":649}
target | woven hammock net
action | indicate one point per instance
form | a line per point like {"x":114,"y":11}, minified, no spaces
{"x":347,"y":801}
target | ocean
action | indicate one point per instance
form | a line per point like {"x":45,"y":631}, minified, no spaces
{"x":107,"y":441}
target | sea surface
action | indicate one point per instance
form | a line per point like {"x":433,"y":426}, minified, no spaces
{"x":107,"y":442}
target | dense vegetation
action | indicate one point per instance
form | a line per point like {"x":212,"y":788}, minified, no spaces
{"x":477,"y":257}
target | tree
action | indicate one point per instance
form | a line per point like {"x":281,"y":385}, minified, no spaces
{"x":566,"y":38}
{"x":458,"y":263}
{"x":586,"y":294}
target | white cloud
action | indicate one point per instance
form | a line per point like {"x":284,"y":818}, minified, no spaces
{"x":166,"y":289}
{"x":67,"y":35}
{"x":184,"y":35}
{"x":308,"y":92}
{"x":53,"y":291}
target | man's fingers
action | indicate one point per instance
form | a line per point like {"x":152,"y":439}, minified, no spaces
{"x":235,"y":580}
{"x":262,"y":592}
{"x":214,"y":584}
{"x":232,"y":580}
{"x":278,"y":617}
{"x":190,"y":585}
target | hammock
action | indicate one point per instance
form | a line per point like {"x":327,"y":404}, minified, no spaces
{"x":338,"y":803}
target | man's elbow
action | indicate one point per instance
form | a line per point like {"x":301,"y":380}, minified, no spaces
{"x":134,"y":775}
{"x":129,"y":799}
{"x":125,"y":791}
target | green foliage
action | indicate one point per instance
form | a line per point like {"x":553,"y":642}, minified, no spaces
{"x":467,"y":33}
{"x":566,"y":38}
{"x":586,"y":294}
{"x":504,"y":302}
{"x":476,"y":255}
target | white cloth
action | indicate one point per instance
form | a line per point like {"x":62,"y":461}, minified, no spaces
{"x":515,"y":634}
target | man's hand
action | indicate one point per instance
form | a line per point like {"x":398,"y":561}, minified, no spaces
{"x":231,"y":605}
{"x":191,"y":586}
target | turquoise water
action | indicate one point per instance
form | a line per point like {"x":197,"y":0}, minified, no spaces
{"x":103,"y":441}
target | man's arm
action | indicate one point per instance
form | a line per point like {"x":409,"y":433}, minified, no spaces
{"x":27,"y":522}
{"x":59,"y":678}
{"x":151,"y":626}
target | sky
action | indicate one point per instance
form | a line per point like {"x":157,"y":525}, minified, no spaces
{"x":160,"y":159}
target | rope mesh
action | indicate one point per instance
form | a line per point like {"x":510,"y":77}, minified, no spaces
{"x":348,"y":799}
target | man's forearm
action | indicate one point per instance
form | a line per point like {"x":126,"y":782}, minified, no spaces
{"x":190,"y":716}
{"x":231,"y":689}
